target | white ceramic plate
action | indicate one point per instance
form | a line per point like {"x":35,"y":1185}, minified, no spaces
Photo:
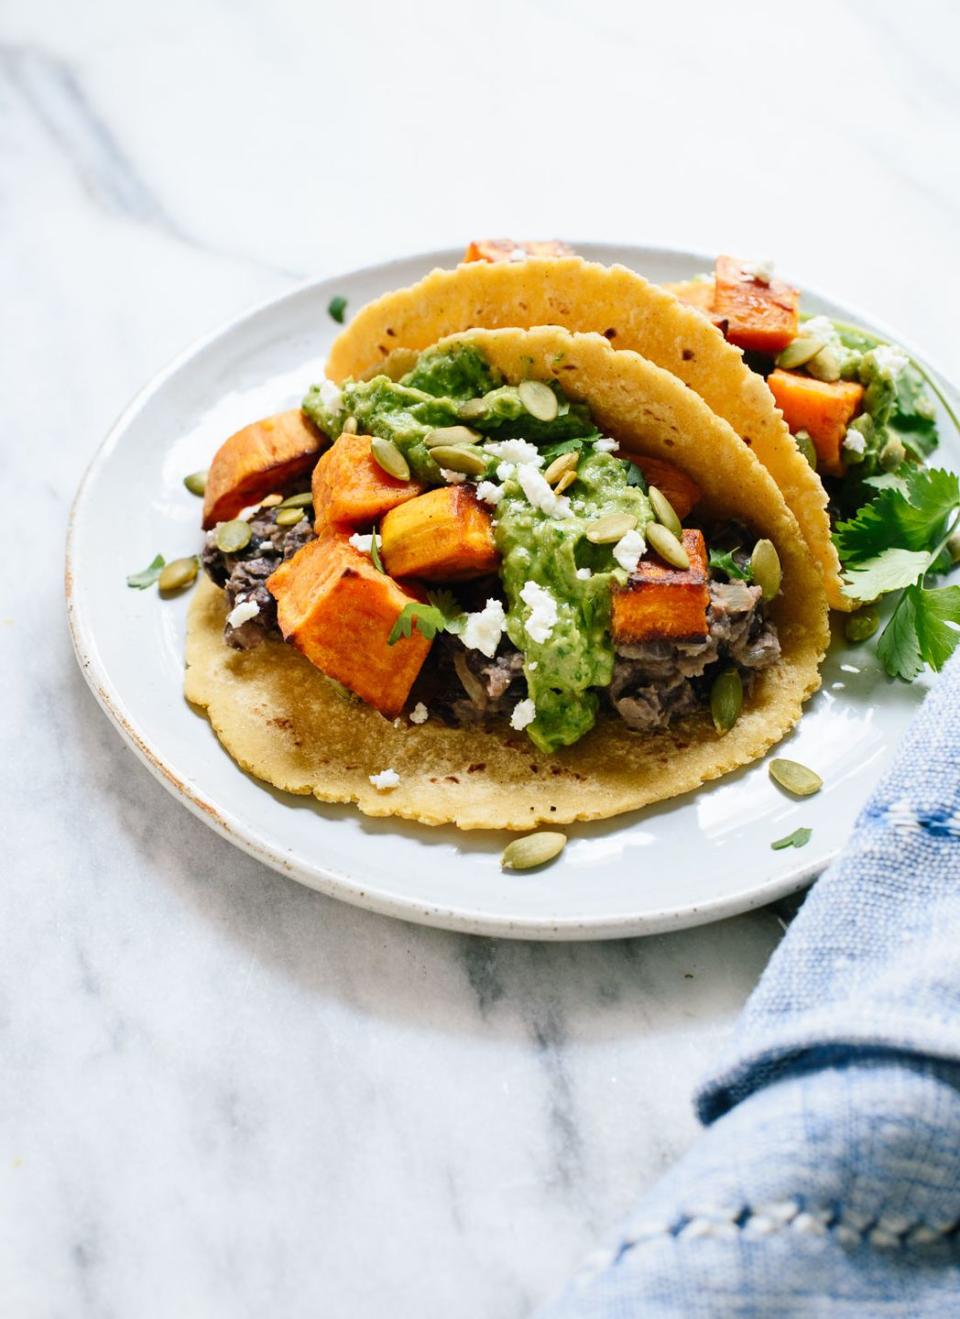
{"x":691,"y":860}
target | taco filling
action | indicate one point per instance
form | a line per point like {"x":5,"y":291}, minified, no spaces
{"x":520,"y":569}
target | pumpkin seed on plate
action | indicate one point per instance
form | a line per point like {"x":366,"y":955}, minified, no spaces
{"x":449,"y":436}
{"x":726,"y":699}
{"x":953,"y":546}
{"x":825,"y":365}
{"x":608,"y":530}
{"x":178,"y":574}
{"x":795,"y":778}
{"x":532,"y":850}
{"x":567,"y":462}
{"x":539,"y":399}
{"x":298,"y":501}
{"x":349,"y":426}
{"x":664,"y":511}
{"x":765,"y":567}
{"x":667,"y":545}
{"x":271,"y":501}
{"x":799,"y":352}
{"x":289,"y":517}
{"x":473,"y":409}
{"x":388,"y":456}
{"x":460,"y":458}
{"x":807,"y":447}
{"x":196,"y":482}
{"x":233,"y":536}
{"x":565,"y":482}
{"x":861,"y":625}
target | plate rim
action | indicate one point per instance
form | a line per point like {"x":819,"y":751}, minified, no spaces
{"x":338,"y":883}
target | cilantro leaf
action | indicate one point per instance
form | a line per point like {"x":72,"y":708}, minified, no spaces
{"x":723,"y":561}
{"x":147,"y":577}
{"x":635,"y":476}
{"x":428,"y":619}
{"x":891,"y":570}
{"x":454,"y":618}
{"x":888,"y":481}
{"x":336,"y":308}
{"x":922,"y":629}
{"x":799,"y":838}
{"x":912,"y":521}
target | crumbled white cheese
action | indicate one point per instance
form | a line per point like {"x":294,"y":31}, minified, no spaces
{"x":540,"y":494}
{"x":854,"y":441}
{"x":761,"y":271}
{"x":489,"y":492}
{"x":521,"y":552}
{"x":266,"y":546}
{"x":452,"y":478}
{"x":890,"y":359}
{"x":524,"y":712}
{"x":242,"y":612}
{"x":532,"y":665}
{"x":419,"y":714}
{"x":584,"y":574}
{"x":482,"y":631}
{"x":330,"y":395}
{"x":605,"y":444}
{"x":361,"y":542}
{"x":521,"y":452}
{"x":818,"y":327}
{"x":629,"y":550}
{"x":247,"y":513}
{"x":518,"y":254}
{"x":543,"y":611}
{"x":385,"y":780}
{"x":505,"y":471}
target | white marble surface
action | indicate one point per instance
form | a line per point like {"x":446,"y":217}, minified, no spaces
{"x":223,"y":1095}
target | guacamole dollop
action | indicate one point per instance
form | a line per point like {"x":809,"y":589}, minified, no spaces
{"x":557,"y":583}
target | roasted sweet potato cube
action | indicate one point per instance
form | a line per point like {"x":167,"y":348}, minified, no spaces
{"x":505,"y":249}
{"x":660,"y":603}
{"x":258,"y":460}
{"x":759,"y":314}
{"x":823,"y":409}
{"x":445,"y":535}
{"x":338,"y":610}
{"x":682,"y":491}
{"x":350,"y":487}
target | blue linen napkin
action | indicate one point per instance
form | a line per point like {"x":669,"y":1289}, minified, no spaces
{"x":828,"y":1179}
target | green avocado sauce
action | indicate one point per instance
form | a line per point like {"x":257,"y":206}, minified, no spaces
{"x":545,"y":548}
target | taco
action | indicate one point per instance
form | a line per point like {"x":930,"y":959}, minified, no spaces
{"x":632,"y":314}
{"x":494,"y":617}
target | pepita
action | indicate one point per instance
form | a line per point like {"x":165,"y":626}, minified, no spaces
{"x":450,"y":436}
{"x":532,"y":850}
{"x":795,"y":778}
{"x":473,"y":409}
{"x":667,"y":545}
{"x":567,"y":462}
{"x":799,"y":352}
{"x":271,"y":501}
{"x":765,"y":567}
{"x":539,"y":399}
{"x":298,"y":501}
{"x":664,"y":511}
{"x":953,"y":546}
{"x":289,"y":517}
{"x":196,"y":482}
{"x":861,"y":625}
{"x":726,"y":699}
{"x":178,"y":574}
{"x":807,"y":447}
{"x":349,"y":427}
{"x":825,"y":365}
{"x":892,"y":454}
{"x":460,"y":458}
{"x":608,"y":530}
{"x":388,"y":456}
{"x":565,"y":482}
{"x":232,"y":537}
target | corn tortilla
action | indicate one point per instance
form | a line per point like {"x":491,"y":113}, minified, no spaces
{"x":633,"y":314}
{"x":284,"y":722}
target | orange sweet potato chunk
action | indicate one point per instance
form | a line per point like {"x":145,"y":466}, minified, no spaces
{"x":682,"y":491}
{"x":338,"y":610}
{"x":503,"y":249}
{"x":258,"y":460}
{"x":823,"y":409}
{"x":758,"y":315}
{"x":350,"y":487}
{"x":660,"y":603}
{"x":445,"y":535}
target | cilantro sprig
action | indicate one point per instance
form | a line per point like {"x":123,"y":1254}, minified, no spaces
{"x":891,"y":545}
{"x":723,"y":561}
{"x":442,"y":614}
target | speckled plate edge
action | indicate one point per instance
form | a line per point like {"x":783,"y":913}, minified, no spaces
{"x":338,"y":883}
